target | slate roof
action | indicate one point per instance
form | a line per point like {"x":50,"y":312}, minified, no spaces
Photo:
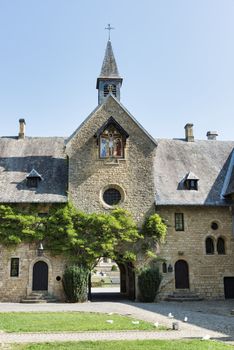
{"x":109,"y":66}
{"x":209,"y":160}
{"x":19,"y":157}
{"x":230,"y":189}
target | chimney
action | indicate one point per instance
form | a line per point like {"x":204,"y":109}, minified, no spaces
{"x":189,"y":132}
{"x":21,"y":129}
{"x":211,"y":135}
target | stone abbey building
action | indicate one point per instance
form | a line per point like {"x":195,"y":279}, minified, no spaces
{"x":111,"y":160}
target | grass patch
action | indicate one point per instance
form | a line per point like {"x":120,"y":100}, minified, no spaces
{"x":68,"y":321}
{"x":129,"y":345}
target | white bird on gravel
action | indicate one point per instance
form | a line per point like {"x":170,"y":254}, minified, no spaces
{"x":170,"y":315}
{"x":206,"y":337}
{"x":185,"y":319}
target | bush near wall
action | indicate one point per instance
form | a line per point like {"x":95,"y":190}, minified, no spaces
{"x":149,"y":281}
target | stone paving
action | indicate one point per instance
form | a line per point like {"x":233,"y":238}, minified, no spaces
{"x":205,"y":318}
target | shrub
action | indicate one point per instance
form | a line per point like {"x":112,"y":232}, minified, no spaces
{"x":149,"y":280}
{"x":114,"y":268}
{"x":75,"y":281}
{"x":97,"y":284}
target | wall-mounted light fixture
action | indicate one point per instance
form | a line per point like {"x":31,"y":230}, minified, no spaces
{"x":40,"y":250}
{"x":170,"y":268}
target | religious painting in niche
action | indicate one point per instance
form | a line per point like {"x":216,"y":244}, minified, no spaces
{"x":111,"y":143}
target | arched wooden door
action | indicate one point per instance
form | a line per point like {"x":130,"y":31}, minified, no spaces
{"x":181,"y":275}
{"x":40,"y":276}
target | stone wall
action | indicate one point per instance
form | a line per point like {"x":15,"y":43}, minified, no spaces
{"x":14,"y":289}
{"x":206,"y":271}
{"x":89,"y":175}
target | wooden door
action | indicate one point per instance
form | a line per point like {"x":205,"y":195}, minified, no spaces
{"x":229,"y":287}
{"x":40,"y":276}
{"x":181,"y":275}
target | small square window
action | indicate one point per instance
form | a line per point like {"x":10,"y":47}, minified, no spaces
{"x":14,"y":267}
{"x":179,"y":221}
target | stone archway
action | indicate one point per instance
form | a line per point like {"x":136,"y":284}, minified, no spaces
{"x":127,"y":280}
{"x":181,"y":275}
{"x":30,"y":275}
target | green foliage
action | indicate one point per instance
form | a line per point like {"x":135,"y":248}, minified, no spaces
{"x":155,"y":227}
{"x":84,"y":238}
{"x":87,"y":237}
{"x":75,"y":281}
{"x":149,"y":280}
{"x":17,"y":227}
{"x":114,"y":268}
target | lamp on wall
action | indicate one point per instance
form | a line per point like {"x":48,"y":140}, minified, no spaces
{"x":170,"y":268}
{"x":40,"y":250}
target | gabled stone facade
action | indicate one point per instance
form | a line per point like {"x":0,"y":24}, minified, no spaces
{"x":111,"y":160}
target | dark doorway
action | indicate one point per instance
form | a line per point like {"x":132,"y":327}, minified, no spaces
{"x":181,"y":275}
{"x":229,"y":287}
{"x":40,"y":276}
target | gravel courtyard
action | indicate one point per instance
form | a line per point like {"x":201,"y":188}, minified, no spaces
{"x":205,"y":318}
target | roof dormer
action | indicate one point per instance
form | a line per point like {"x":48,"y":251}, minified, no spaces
{"x":33,"y":179}
{"x":191,"y":181}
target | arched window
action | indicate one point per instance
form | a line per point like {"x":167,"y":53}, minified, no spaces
{"x":109,"y":88}
{"x":221,"y":246}
{"x":209,"y":246}
{"x":164,"y":267}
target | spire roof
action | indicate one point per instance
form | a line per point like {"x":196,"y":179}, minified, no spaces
{"x":109,"y":66}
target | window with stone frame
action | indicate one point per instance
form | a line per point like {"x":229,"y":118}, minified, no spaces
{"x":179,"y":221}
{"x":111,"y":138}
{"x":209,"y":246}
{"x":220,"y":246}
{"x":14,"y":272}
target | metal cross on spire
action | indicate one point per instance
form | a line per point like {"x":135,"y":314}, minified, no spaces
{"x":109,"y":28}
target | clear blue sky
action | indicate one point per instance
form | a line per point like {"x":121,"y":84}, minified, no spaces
{"x":176,"y":58}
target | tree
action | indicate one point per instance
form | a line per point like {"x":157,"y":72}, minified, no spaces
{"x":87,"y":237}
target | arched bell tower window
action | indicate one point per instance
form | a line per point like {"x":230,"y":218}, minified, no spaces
{"x":109,"y":88}
{"x":111,"y":138}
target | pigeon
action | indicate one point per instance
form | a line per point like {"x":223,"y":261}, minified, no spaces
{"x":170,"y":315}
{"x":206,"y":337}
{"x":185,"y":319}
{"x":156,"y":324}
{"x":109,"y":321}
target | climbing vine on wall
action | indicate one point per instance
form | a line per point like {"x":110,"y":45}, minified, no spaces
{"x":83,"y":237}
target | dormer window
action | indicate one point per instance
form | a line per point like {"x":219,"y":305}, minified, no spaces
{"x":111,"y":139}
{"x":33,"y":179}
{"x":191,"y":182}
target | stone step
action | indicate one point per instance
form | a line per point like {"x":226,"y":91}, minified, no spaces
{"x":183,"y":296}
{"x":36,"y":298}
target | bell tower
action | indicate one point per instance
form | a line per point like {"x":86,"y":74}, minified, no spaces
{"x":109,"y":80}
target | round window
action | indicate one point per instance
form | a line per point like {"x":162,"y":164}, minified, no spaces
{"x":214,"y":225}
{"x":112,"y":196}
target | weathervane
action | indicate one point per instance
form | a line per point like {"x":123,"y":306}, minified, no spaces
{"x":109,"y":28}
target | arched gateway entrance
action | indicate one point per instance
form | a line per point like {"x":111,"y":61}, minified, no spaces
{"x":125,"y":285}
{"x":40,"y":276}
{"x":181,"y":275}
